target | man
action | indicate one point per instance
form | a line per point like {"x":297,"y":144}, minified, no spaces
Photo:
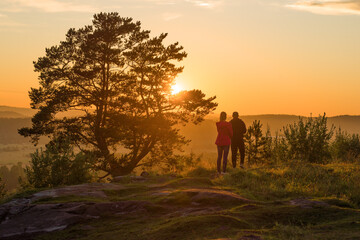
{"x":237,"y":141}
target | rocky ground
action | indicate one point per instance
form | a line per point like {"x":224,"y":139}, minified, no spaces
{"x":171,"y":208}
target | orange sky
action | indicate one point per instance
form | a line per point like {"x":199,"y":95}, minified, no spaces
{"x":257,"y":57}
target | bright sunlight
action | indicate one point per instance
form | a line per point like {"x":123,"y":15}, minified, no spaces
{"x":176,"y":88}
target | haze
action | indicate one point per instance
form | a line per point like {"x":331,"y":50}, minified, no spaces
{"x":256,"y":56}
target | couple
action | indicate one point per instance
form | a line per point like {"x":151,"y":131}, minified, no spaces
{"x":230,"y":133}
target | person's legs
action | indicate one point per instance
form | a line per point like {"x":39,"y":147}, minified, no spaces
{"x":220,"y":153}
{"x":226,"y":152}
{"x":234,"y":149}
{"x":242,"y":152}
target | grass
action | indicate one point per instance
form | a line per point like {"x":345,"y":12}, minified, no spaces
{"x":340,"y":181}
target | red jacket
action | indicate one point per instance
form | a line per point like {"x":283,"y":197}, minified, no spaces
{"x":225,"y":133}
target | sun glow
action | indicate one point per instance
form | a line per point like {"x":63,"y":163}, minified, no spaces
{"x":176,"y":88}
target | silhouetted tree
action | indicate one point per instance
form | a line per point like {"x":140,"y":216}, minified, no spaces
{"x":121,"y":80}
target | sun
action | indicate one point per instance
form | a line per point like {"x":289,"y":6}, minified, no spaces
{"x":176,"y":88}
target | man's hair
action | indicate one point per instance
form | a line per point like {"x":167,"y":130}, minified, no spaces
{"x":235,"y":114}
{"x":222,"y":116}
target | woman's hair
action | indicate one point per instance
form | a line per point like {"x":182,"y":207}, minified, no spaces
{"x":222,"y":116}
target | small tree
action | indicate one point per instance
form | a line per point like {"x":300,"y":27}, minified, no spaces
{"x":279,"y":151}
{"x":268,"y":146}
{"x":308,"y":139}
{"x":120,"y":79}
{"x":255,"y":143}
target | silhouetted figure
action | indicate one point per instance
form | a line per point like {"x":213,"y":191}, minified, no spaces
{"x":223,"y":141}
{"x":237,"y":141}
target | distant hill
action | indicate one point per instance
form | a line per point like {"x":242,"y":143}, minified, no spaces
{"x":9,"y":130}
{"x":11,"y":114}
{"x":202,"y":135}
{"x":24,"y":112}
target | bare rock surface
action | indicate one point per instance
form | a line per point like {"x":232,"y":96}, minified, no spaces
{"x":23,"y":216}
{"x":307,"y":203}
{"x":83,"y":190}
{"x":37,"y":218}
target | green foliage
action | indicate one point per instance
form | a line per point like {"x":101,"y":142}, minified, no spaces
{"x":256,"y":145}
{"x":58,"y":165}
{"x":120,"y":79}
{"x":308,"y":139}
{"x":345,"y":147}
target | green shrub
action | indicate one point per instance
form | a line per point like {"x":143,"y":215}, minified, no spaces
{"x":308,"y":139}
{"x":58,"y":165}
{"x":345,"y":147}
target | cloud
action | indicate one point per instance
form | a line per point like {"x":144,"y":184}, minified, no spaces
{"x":47,"y":6}
{"x":206,"y":3}
{"x":170,"y":16}
{"x":328,"y":7}
{"x":199,"y":3}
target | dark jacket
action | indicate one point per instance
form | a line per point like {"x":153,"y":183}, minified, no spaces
{"x":224,"y":133}
{"x":239,"y":129}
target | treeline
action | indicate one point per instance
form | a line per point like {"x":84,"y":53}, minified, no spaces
{"x":11,"y":176}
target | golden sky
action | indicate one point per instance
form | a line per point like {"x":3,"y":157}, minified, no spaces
{"x":256,"y":56}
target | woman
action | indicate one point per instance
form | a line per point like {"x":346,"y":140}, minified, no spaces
{"x":223,"y":141}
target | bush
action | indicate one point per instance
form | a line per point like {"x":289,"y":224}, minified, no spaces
{"x":58,"y":165}
{"x":308,"y":139}
{"x":345,"y":147}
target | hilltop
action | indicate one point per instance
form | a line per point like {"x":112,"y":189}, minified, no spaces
{"x":243,"y":205}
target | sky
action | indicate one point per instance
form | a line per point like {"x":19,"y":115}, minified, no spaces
{"x":257,"y":56}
